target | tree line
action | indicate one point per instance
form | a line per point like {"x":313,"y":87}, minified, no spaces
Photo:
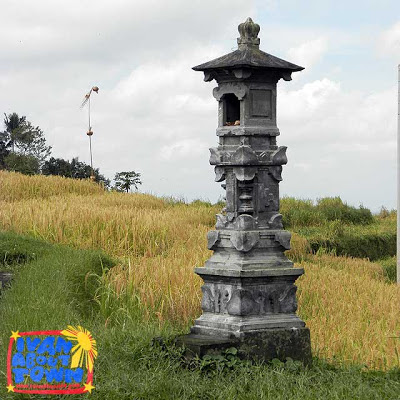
{"x":23,"y":149}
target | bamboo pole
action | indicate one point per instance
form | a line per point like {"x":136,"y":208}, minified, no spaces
{"x":398,"y":177}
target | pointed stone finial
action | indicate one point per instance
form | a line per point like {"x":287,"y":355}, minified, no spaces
{"x":248,"y":35}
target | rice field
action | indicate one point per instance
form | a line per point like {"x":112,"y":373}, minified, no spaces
{"x":351,"y":310}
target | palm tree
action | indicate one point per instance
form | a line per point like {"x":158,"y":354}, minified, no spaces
{"x":124,"y":180}
{"x":14,"y":127}
{"x":23,"y":140}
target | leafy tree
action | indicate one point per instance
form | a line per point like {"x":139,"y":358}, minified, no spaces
{"x":57,"y":166}
{"x":4,"y":149}
{"x":124,"y":181}
{"x":22,"y":138}
{"x":25,"y":164}
{"x":14,"y":125}
{"x":32,"y":142}
{"x":73,"y":169}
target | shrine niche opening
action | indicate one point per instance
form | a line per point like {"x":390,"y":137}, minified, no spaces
{"x":231,"y":109}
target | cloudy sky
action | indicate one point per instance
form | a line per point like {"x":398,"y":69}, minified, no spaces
{"x":156,"y":116}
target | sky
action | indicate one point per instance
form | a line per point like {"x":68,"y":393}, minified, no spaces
{"x":155,"y":115}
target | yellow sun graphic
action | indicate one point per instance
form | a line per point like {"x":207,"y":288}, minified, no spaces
{"x":85,"y":350}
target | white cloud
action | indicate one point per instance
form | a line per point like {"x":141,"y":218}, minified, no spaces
{"x":389,"y":41}
{"x":187,"y":148}
{"x":323,"y":109}
{"x":347,"y":138}
{"x":155,"y":115}
{"x":104,"y":32}
{"x":309,"y":98}
{"x":151,"y":106}
{"x":308,"y":53}
{"x":166,"y":90}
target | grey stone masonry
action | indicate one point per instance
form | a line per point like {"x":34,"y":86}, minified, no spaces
{"x":249,"y":291}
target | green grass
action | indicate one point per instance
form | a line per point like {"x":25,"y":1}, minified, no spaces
{"x":15,"y":250}
{"x":57,"y":286}
{"x":374,"y":241}
{"x":389,"y":266}
{"x":330,"y":225}
{"x":146,"y":372}
{"x":300,"y":213}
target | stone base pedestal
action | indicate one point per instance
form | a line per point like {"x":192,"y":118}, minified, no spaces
{"x":261,"y":346}
{"x":253,"y":310}
{"x":201,"y":345}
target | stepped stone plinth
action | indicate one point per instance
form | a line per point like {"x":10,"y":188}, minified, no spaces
{"x":249,"y":291}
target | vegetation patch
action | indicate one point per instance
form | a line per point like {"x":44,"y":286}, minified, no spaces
{"x":16,"y":250}
{"x":353,"y":242}
{"x":300,"y":213}
{"x":329,"y":225}
{"x":53,"y":290}
{"x":157,"y":243}
{"x":389,"y":265}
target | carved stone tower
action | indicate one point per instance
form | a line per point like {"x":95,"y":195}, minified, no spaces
{"x":249,"y":295}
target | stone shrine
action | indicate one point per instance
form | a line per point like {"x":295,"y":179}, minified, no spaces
{"x":249,"y":292}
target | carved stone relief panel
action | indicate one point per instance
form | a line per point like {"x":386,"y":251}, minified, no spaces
{"x":249,"y":300}
{"x":261,"y":103}
{"x":215,"y":298}
{"x":279,"y":299}
{"x":230,"y":191}
{"x":245,"y":197}
{"x":268,"y":192}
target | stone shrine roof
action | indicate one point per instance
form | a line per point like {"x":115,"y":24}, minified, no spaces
{"x":253,"y":58}
{"x":248,"y":54}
